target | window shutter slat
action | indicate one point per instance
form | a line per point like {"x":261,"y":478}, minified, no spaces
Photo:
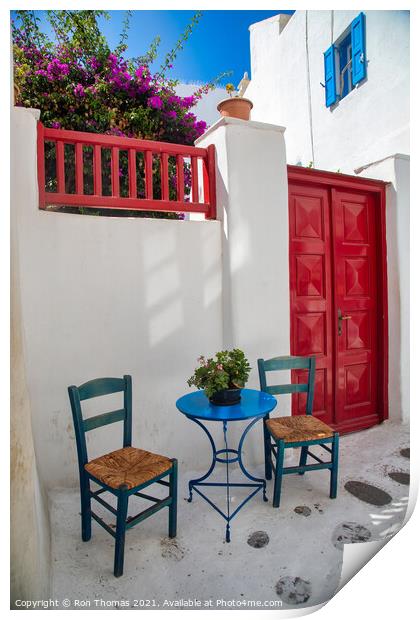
{"x":358,"y":49}
{"x":330,"y":77}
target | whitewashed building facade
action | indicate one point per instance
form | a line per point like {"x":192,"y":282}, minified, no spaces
{"x":360,"y":124}
{"x":338,"y":81}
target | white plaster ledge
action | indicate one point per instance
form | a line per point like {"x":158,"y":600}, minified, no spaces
{"x":32,"y":111}
{"x":228,"y":120}
{"x":379,"y":161}
{"x":282,"y":18}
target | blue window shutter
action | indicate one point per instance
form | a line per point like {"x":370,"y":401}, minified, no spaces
{"x":358,"y":49}
{"x":330,"y":79}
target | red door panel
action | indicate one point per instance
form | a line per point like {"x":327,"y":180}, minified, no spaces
{"x":354,"y":233}
{"x":310,"y":291}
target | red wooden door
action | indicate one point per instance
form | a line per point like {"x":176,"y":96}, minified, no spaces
{"x":336,"y":313}
{"x":355,"y":288}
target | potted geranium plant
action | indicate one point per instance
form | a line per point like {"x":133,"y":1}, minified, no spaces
{"x":222,"y":377}
{"x":236,"y":105}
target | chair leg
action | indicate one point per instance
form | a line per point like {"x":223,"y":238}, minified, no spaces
{"x":85,"y":508}
{"x":303,"y":457}
{"x":278,"y":473}
{"x":122,"y":508}
{"x":173,"y":490}
{"x":267,"y":452}
{"x":334,"y":469}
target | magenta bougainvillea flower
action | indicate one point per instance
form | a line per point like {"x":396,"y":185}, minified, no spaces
{"x":57,"y":70}
{"x":188,"y":102}
{"x":155,"y":102}
{"x":79,"y":91}
{"x":92,"y":91}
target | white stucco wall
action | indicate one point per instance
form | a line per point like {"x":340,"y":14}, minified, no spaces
{"x":29,"y":523}
{"x":252,"y":203}
{"x":107,"y":296}
{"x":287,"y":66}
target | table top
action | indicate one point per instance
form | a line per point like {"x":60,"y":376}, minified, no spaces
{"x":253,"y":404}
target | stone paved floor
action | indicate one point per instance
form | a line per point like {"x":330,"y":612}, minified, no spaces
{"x":293,"y":557}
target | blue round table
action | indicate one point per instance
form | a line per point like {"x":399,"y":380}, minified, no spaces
{"x":254,"y":405}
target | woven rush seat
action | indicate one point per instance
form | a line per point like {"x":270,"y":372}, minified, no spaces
{"x":298,"y":428}
{"x":129,"y":466}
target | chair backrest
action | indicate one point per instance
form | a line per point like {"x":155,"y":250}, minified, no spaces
{"x":92,"y":389}
{"x":289,"y":362}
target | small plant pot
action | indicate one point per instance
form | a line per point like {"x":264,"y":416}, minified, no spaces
{"x":226,"y":397}
{"x":236,"y":107}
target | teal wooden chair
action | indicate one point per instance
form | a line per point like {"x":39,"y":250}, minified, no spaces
{"x":124,"y":472}
{"x":297,"y":431}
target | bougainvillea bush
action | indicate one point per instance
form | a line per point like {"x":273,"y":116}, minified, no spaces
{"x":79,"y":83}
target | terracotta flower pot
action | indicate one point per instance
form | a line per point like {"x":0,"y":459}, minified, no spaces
{"x":236,"y":107}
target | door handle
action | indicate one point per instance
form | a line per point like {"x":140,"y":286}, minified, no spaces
{"x":342,"y":317}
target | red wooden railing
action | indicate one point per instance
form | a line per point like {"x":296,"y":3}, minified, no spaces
{"x":198,"y":197}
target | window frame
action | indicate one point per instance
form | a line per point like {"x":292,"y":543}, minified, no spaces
{"x":344,"y":54}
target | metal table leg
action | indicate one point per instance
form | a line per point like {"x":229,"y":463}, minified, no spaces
{"x":256,"y":483}
{"x":260,"y":481}
{"x":213,"y":463}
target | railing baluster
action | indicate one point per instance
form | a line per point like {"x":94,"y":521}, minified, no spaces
{"x":79,"y":167}
{"x":180,"y":188}
{"x":97,"y":170}
{"x":194,"y":179}
{"x":41,"y":164}
{"x":148,"y":171}
{"x":206,"y":184}
{"x":115,"y":171}
{"x":211,"y":176}
{"x":59,"y":162}
{"x":132,"y":173}
{"x":164,"y":179}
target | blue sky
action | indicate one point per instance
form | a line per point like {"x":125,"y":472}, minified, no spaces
{"x":219,"y":43}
